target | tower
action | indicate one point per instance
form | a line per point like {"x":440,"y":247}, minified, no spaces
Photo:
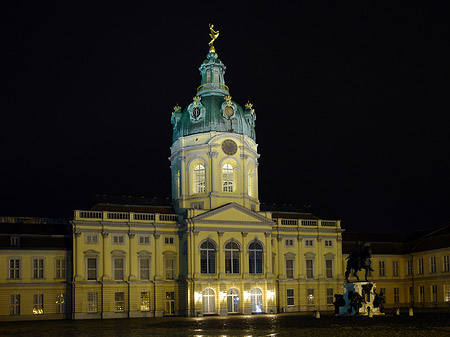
{"x":214,"y":157}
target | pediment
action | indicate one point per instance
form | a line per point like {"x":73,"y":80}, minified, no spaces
{"x":232,"y":214}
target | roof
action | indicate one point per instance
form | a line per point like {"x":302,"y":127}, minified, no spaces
{"x":128,"y":203}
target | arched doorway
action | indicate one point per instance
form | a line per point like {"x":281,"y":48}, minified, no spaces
{"x":233,"y":301}
{"x":209,"y":301}
{"x":256,"y":300}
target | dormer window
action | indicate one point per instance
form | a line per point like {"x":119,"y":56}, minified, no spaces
{"x":15,"y":241}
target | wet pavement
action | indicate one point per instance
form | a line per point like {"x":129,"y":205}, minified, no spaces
{"x":421,"y":324}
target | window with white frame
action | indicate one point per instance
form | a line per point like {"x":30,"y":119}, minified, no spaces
{"x":118,"y":268}
{"x":92,"y":302}
{"x":60,"y":304}
{"x":14,"y":241}
{"x":434,"y":293}
{"x":91,"y":268}
{"x":446,"y":260}
{"x":145,"y":301}
{"x":199,"y":179}
{"x":381,"y":268}
{"x":60,"y":267}
{"x":289,"y":267}
{"x":433,"y":264}
{"x":330,"y":296}
{"x":169,"y":240}
{"x":309,"y":243}
{"x":169,"y":266}
{"x":119,"y":302}
{"x":91,"y":238}
{"x":255,"y":258}
{"x":289,"y":242}
{"x":208,"y":257}
{"x":144,"y":268}
{"x":395,"y":268}
{"x":396,"y":295}
{"x":38,"y":304}
{"x":232,"y":257}
{"x":118,"y":239}
{"x":144,"y":239}
{"x":421,"y":294}
{"x":227,"y":178}
{"x":447,"y":293}
{"x":38,"y":268}
{"x":14,"y":269}
{"x":290,"y":298}
{"x":409,"y":267}
{"x":328,"y":243}
{"x":14,"y":305}
{"x":420,"y":266}
{"x":329,"y":268}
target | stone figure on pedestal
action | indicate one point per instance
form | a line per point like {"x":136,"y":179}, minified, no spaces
{"x":359,"y":258}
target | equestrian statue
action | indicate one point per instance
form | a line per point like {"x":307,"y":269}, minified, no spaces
{"x":359,"y":258}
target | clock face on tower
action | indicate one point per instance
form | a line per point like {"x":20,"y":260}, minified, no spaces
{"x":229,"y":147}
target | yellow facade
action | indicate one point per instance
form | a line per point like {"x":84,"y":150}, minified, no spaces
{"x":34,"y":284}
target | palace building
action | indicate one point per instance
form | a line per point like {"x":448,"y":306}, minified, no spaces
{"x":212,"y":250}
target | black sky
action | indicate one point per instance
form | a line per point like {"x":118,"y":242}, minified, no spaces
{"x":351,"y":102}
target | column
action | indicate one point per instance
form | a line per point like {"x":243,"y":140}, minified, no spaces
{"x":158,"y":257}
{"x":106,"y":257}
{"x":79,"y":256}
{"x":244,"y":255}
{"x":281,"y":269}
{"x":268,"y":258}
{"x":194,"y":255}
{"x":133,"y":257}
{"x":220,"y":257}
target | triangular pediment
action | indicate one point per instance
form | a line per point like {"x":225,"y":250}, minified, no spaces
{"x":233,"y":214}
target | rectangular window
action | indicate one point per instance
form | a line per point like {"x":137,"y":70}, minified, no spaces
{"x":290,"y":299}
{"x":14,"y":305}
{"x":119,"y":302}
{"x":309,"y":268}
{"x":411,"y":294}
{"x":144,"y":239}
{"x":409,"y":267}
{"x":170,"y":303}
{"x":118,"y":239}
{"x":395,"y":268}
{"x":145,"y":301}
{"x":14,"y":241}
{"x":290,"y":268}
{"x":14,"y":269}
{"x":60,"y":305}
{"x":396,"y":295}
{"x":421,"y":294}
{"x":289,"y":243}
{"x":38,"y":304}
{"x":329,"y":268}
{"x":168,"y":240}
{"x":38,"y":268}
{"x":60,"y":268}
{"x":310,"y":296}
{"x":91,"y":238}
{"x":309,"y":243}
{"x":328,"y":243}
{"x":118,"y":268}
{"x":420,"y":266}
{"x":447,"y":293}
{"x":170,"y":268}
{"x":446,"y":263}
{"x":434,"y":293}
{"x":381,"y":269}
{"x":198,"y":205}
{"x":144,"y":268}
{"x":330,"y":296}
{"x":92,"y":302}
{"x":91,"y":263}
{"x":433,"y":264}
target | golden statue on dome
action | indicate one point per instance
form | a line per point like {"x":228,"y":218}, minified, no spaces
{"x":214,"y":34}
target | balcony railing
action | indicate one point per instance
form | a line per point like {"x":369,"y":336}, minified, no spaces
{"x":307,"y":222}
{"x":124,"y":216}
{"x":212,"y":86}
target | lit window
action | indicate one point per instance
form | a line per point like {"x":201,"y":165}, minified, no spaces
{"x":207,"y":258}
{"x":233,"y":301}
{"x":199,"y":179}
{"x":145,"y":301}
{"x":255,"y":258}
{"x":119,"y":302}
{"x":310,"y":296}
{"x":209,"y":301}
{"x":170,"y":303}
{"x":60,"y":305}
{"x":232,"y":258}
{"x":38,"y":268}
{"x":38,"y":304}
{"x":228,"y":178}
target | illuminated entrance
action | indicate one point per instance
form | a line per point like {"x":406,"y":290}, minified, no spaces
{"x":256,"y":300}
{"x":209,"y":301}
{"x":233,"y":301}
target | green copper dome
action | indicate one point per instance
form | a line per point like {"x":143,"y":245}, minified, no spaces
{"x":213,"y":109}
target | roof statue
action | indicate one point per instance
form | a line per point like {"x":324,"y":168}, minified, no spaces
{"x":214,"y":34}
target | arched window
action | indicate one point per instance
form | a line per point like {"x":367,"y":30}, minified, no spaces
{"x":232,"y":258}
{"x":207,"y":258}
{"x":228,"y":178}
{"x":209,"y":301}
{"x":199,"y":179}
{"x":256,"y":300}
{"x":233,"y":300}
{"x":255,"y":258}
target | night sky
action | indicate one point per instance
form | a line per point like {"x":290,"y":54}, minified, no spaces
{"x":351,"y":102}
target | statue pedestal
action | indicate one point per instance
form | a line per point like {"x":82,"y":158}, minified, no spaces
{"x":359,"y":298}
